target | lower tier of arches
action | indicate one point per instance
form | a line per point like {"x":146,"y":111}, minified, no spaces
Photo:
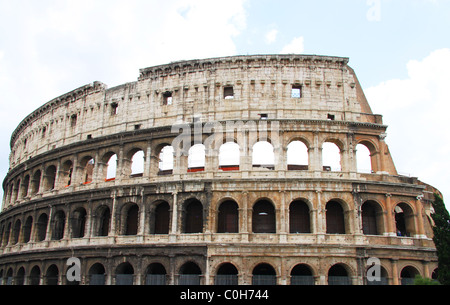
{"x":232,"y":264}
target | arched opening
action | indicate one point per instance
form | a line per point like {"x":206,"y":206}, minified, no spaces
{"x":189,"y":274}
{"x":104,"y":220}
{"x":162,"y":218}
{"x":301,"y":274}
{"x":338,"y":275}
{"x":41,"y":227}
{"x":264,"y":274}
{"x":372,"y":218}
{"x":382,"y":280}
{"x":196,"y":158}
{"x":111,"y":168}
{"x":35,"y":276}
{"x":408,"y":275}
{"x":297,"y":156}
{"x":335,"y":218}
{"x":166,"y":160}
{"x":331,"y":157}
{"x":9,"y":277}
{"x":124,"y":274}
{"x":16,"y":231}
{"x":229,"y":157}
{"x":66,"y":173}
{"x":20,"y":276}
{"x":36,"y":182}
{"x":52,"y":275}
{"x":87,"y":165}
{"x":50,"y":178}
{"x":7,"y":235}
{"x":227,"y":274}
{"x":97,"y":275}
{"x":24,"y":187}
{"x":78,"y":223}
{"x":27,"y":229}
{"x":59,"y":222}
{"x":299,"y":217}
{"x":263,"y":155}
{"x":363,"y":159}
{"x":228,"y":218}
{"x":137,"y":164}
{"x":156,"y":275}
{"x":404,"y":220}
{"x":132,"y":220}
{"x":263,"y":217}
{"x":193,"y":216}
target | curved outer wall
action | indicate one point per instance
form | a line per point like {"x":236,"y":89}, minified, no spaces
{"x":55,"y":198}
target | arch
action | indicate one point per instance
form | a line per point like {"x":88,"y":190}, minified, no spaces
{"x":227,"y":274}
{"x":24,"y":187}
{"x":331,"y":157}
{"x":9,"y":277}
{"x":36,"y":182}
{"x":404,"y":220}
{"x":110,"y":159}
{"x":16,"y":231}
{"x":161,"y":223}
{"x":20,"y":276}
{"x":363,"y":159}
{"x":408,"y":275}
{"x":125,"y":274}
{"x":35,"y":276}
{"x":193,"y":216}
{"x":156,"y":274}
{"x":52,"y":275}
{"x":299,"y":217}
{"x":41,"y":227}
{"x":59,"y":223}
{"x":189,"y":274}
{"x":87,"y":169}
{"x":166,"y":160}
{"x":103,"y":219}
{"x":50,"y":178}
{"x":27,"y":229}
{"x":383,"y":280}
{"x":338,"y":275}
{"x":263,"y":155}
{"x":137,"y":163}
{"x":79,"y":223}
{"x":297,"y":156}
{"x":302,"y":274}
{"x":335,"y":218}
{"x":97,"y":274}
{"x":264,"y":274}
{"x":228,"y":217}
{"x":131,"y":219}
{"x":263,"y":217}
{"x":229,"y":156}
{"x":66,"y":173}
{"x":196,"y":158}
{"x":372,"y":218}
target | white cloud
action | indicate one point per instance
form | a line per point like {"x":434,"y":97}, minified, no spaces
{"x":417,"y":111}
{"x":296,"y":46}
{"x":271,"y":36}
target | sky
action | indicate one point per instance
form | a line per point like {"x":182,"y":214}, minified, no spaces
{"x":399,"y":49}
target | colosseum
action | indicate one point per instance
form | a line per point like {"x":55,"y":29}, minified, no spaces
{"x":233,"y":170}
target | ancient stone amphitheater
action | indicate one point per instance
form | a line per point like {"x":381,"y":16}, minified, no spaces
{"x":233,"y":170}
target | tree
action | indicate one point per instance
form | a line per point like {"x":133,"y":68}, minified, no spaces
{"x":441,"y":239}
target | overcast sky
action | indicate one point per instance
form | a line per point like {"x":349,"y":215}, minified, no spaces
{"x":400,"y":50}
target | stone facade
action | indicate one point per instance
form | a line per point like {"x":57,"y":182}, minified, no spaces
{"x":239,"y":223}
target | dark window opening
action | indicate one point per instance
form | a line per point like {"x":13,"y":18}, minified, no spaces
{"x":228,"y":93}
{"x":73,"y":120}
{"x":79,"y":223}
{"x":58,"y":227}
{"x":226,"y":275}
{"x":105,"y":217}
{"x":193,"y":217}
{"x":162,"y":218}
{"x":369,"y":218}
{"x":263,"y":116}
{"x":131,"y":227}
{"x":263,"y":220}
{"x":335,"y":218}
{"x":167,"y":98}
{"x":302,"y":275}
{"x":330,"y":117}
{"x":299,"y":221}
{"x":337,"y":275}
{"x":114,"y":108}
{"x":228,"y":218}
{"x":264,"y":274}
